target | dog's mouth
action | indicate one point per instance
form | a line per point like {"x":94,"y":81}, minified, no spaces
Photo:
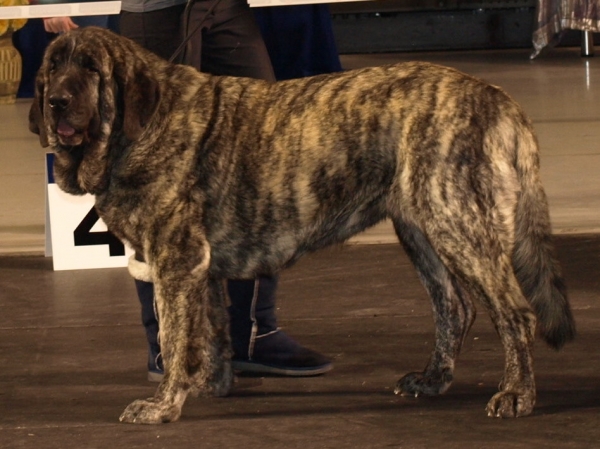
{"x":67,"y":135}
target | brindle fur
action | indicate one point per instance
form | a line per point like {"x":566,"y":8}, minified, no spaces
{"x":218,"y":177}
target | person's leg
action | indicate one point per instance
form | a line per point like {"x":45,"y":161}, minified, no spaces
{"x":259,"y":345}
{"x":231,"y":44}
{"x":226,"y":40}
{"x":158,"y":31}
{"x":145,"y":291}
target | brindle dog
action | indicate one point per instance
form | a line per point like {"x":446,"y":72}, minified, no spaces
{"x":214,"y":177}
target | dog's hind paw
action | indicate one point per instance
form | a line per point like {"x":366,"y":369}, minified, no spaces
{"x":419,"y":384}
{"x":506,"y":404}
{"x":150,"y":412}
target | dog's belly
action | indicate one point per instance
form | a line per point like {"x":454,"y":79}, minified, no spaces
{"x":268,"y":254}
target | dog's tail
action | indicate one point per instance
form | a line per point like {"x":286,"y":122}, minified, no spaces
{"x":534,"y":260}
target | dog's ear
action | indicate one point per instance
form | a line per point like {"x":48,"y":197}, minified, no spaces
{"x":36,"y":112}
{"x":141,"y":95}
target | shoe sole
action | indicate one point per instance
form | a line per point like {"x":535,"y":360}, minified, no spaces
{"x":259,"y":368}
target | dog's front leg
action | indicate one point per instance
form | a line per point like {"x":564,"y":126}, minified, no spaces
{"x":194,"y":340}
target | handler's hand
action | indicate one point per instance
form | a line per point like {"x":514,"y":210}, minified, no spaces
{"x":59,"y":24}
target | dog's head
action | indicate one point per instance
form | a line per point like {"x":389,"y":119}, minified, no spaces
{"x":94,"y":92}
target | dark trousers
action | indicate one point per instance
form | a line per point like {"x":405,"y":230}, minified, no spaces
{"x":225,"y":37}
{"x":227,"y":40}
{"x":158,"y":31}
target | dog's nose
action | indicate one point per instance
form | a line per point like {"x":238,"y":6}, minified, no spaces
{"x":60,"y":102}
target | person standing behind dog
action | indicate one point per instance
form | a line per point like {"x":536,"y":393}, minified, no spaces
{"x":224,"y":40}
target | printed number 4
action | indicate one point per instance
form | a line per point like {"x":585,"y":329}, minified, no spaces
{"x":83,"y":236}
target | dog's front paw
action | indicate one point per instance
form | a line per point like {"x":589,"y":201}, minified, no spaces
{"x":507,"y":404}
{"x":149,"y":412}
{"x":420,"y":384}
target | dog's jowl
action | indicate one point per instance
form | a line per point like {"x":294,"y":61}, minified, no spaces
{"x":219,"y":177}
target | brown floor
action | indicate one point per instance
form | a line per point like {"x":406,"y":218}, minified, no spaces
{"x":72,"y":355}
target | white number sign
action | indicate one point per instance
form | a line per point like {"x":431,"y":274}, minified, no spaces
{"x":76,"y":237}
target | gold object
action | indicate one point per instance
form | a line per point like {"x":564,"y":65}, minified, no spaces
{"x":10,"y":69}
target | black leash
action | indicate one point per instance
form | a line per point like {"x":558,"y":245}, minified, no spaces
{"x":186,"y":22}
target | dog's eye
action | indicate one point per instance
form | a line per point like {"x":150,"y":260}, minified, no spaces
{"x":87,"y":63}
{"x":90,"y":65}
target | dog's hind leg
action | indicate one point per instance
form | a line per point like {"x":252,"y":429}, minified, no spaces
{"x":453,"y":313}
{"x":194,"y":338}
{"x":515,"y":323}
{"x":484,"y":269}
